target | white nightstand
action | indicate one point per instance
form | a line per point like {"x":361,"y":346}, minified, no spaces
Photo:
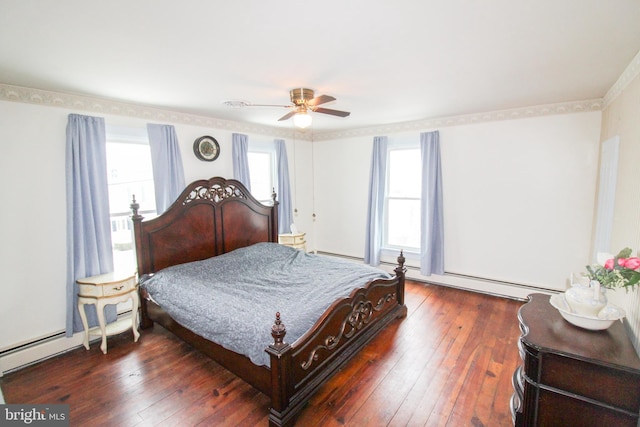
{"x":110,"y":288}
{"x":295,"y":240}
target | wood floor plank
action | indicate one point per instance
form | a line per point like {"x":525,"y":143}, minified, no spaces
{"x":511,"y":359}
{"x":438,"y":374}
{"x":448,"y":363}
{"x":457,"y":363}
{"x":464,"y":411}
{"x":466,"y":406}
{"x":489,"y":390}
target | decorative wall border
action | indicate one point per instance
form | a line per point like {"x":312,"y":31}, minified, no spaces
{"x":103,"y":106}
{"x":468,"y":119}
{"x":630,"y":73}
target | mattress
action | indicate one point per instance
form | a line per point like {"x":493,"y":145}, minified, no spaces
{"x":232,"y":299}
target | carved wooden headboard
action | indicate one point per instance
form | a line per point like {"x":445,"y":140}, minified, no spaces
{"x":209,"y":218}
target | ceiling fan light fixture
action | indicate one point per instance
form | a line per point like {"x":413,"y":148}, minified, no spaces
{"x":303,"y":102}
{"x":302,"y":120}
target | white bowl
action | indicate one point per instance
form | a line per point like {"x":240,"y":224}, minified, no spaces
{"x":609,"y":314}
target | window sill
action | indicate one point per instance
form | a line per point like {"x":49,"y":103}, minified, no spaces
{"x":393,"y":253}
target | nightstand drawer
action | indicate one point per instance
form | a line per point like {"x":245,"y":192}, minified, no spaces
{"x":118,"y":288}
{"x":93,"y":287}
{"x":291,"y":239}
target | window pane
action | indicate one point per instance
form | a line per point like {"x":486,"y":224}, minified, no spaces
{"x":261,"y":175}
{"x":403,"y":225}
{"x":402,"y":204}
{"x":129,"y":172}
{"x":405,"y":173}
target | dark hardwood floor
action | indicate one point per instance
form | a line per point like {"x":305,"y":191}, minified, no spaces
{"x":449,"y":363}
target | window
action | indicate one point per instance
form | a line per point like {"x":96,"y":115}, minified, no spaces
{"x":262,"y":172}
{"x":402,"y":199}
{"x":129,"y":173}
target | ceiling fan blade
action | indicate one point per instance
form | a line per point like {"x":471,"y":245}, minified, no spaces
{"x":332,"y":112}
{"x":322,"y":99}
{"x":269,"y":105}
{"x":288,"y":115}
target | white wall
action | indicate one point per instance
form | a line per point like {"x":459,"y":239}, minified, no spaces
{"x":518,"y":199}
{"x":32,"y":254}
{"x":622,"y":118}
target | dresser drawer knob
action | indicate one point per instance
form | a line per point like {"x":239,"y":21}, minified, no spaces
{"x":118,"y":288}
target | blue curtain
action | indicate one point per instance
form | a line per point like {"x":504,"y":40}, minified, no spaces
{"x":168,"y":173}
{"x":431,"y":216}
{"x":377,"y":178}
{"x":285,"y":207}
{"x":239,"y":151}
{"x":89,"y":250}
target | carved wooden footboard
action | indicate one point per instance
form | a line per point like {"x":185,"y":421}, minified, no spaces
{"x":298,"y":370}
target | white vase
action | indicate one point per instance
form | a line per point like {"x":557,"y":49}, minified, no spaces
{"x":586,"y":300}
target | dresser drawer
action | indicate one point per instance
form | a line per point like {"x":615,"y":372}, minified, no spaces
{"x":610,"y":385}
{"x":559,"y":409}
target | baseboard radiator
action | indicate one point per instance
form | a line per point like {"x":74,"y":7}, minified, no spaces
{"x":37,"y":350}
{"x":413,"y":272}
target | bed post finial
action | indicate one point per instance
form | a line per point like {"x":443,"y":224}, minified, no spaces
{"x":401,"y":259}
{"x":273,"y":195}
{"x":278,"y":331}
{"x":134,"y":208}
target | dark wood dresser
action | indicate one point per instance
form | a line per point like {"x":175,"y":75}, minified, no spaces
{"x":571,"y":376}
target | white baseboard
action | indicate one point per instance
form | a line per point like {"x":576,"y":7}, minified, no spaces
{"x":489,"y":287}
{"x":29,"y":354}
{"x":458,"y":281}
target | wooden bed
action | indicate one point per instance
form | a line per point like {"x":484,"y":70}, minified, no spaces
{"x":215,"y":216}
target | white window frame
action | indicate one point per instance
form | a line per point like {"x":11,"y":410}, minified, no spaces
{"x":387,"y":248}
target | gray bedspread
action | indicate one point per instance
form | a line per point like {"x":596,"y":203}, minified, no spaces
{"x":232,"y":299}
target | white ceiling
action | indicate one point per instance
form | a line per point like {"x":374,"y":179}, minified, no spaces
{"x":385,"y":61}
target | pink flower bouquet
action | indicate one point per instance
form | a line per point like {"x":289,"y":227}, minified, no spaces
{"x":622,"y":271}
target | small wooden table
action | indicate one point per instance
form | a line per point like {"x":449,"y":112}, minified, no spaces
{"x":104,"y":289}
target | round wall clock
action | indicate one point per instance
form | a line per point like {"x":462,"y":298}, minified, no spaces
{"x":206,"y":148}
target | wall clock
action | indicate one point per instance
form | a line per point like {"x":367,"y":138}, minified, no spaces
{"x":206,"y":148}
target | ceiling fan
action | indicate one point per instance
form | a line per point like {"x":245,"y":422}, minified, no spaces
{"x":302,"y":101}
